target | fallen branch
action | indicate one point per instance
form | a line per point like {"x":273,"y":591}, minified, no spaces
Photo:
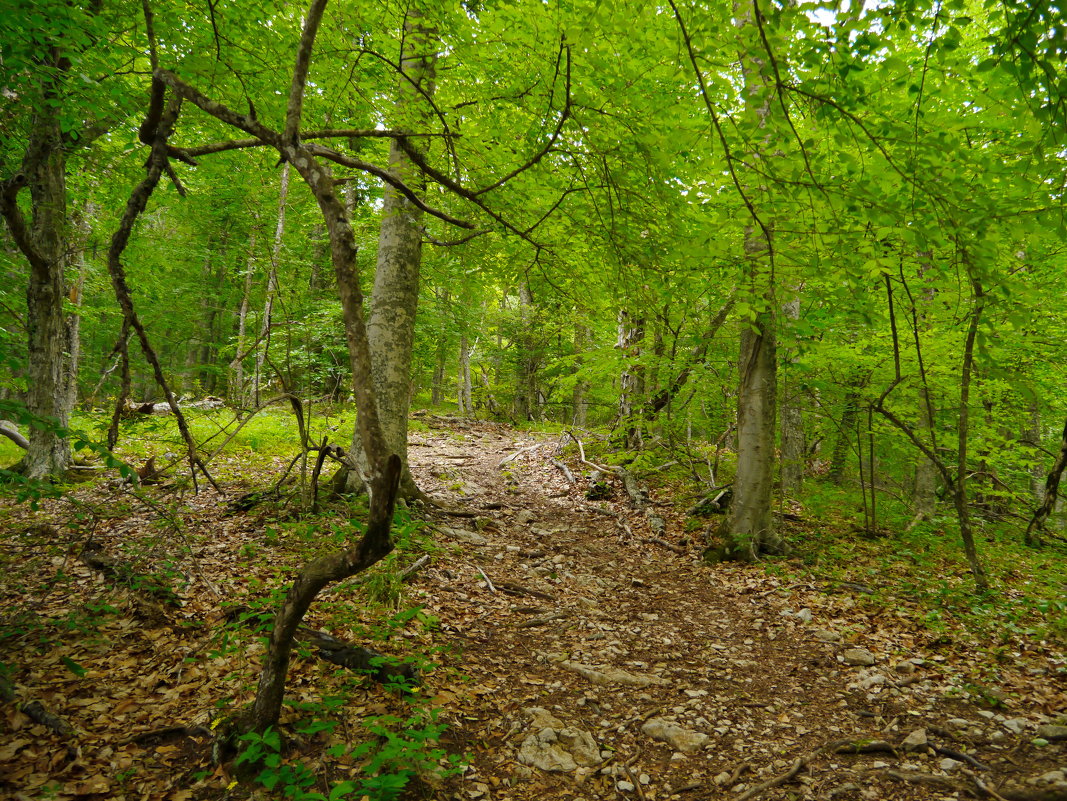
{"x":35,"y":710}
{"x":798,"y":765}
{"x":488,"y":582}
{"x":511,"y":588}
{"x":565,"y":470}
{"x":379,"y":667}
{"x":517,"y":454}
{"x":534,"y":622}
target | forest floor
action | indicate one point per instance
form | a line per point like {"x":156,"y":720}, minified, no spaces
{"x":578,"y":656}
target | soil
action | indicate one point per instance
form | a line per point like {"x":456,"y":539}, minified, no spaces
{"x":569,"y":630}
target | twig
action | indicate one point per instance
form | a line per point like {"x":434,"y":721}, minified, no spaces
{"x":487,"y":581}
{"x":415,"y":567}
{"x":534,"y":622}
{"x":517,"y":454}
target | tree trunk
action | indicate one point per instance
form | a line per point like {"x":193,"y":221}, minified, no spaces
{"x":794,"y":448}
{"x":526,"y":396}
{"x":843,"y":440}
{"x":631,"y":334}
{"x":1051,"y":493}
{"x":272,"y":287}
{"x":751,"y":525}
{"x":237,"y":371}
{"x":579,"y":399}
{"x":45,"y":244}
{"x":924,"y":499}
{"x":395,"y":297}
{"x":463,"y":395}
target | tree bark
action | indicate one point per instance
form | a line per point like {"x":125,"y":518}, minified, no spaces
{"x":839,"y":456}
{"x":463,"y":394}
{"x":631,"y":335}
{"x":45,"y":243}
{"x":272,"y":287}
{"x":751,"y":524}
{"x":794,"y":448}
{"x":1051,"y":494}
{"x":237,"y":370}
{"x":395,"y":297}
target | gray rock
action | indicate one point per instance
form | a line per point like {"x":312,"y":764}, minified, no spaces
{"x":804,"y":615}
{"x":905,"y":668}
{"x":624,"y":786}
{"x":684,"y":740}
{"x":1052,"y":732}
{"x":827,"y":636}
{"x":469,"y":537}
{"x":557,"y":748}
{"x":1016,"y":725}
{"x":858,"y":656}
{"x":525,"y":516}
{"x":916,"y":741}
{"x":947,"y":764}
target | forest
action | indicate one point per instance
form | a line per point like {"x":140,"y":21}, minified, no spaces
{"x":500,"y":399}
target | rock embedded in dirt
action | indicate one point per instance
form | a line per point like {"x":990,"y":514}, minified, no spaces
{"x":610,"y":675}
{"x":684,"y":740}
{"x":860,"y":657}
{"x":1052,"y":732}
{"x":555,"y":747}
{"x":469,"y":537}
{"x":916,"y":741}
{"x":827,"y":636}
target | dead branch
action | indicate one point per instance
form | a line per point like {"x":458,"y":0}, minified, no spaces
{"x":564,"y":469}
{"x":35,"y":710}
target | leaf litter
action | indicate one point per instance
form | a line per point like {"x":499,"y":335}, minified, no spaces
{"x":566,"y":624}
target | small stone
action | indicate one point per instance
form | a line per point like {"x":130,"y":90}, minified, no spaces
{"x":916,"y":741}
{"x":1016,"y":725}
{"x":624,"y":786}
{"x":958,"y":723}
{"x":827,"y":636}
{"x":1052,"y":732}
{"x":947,"y":764}
{"x":804,"y":615}
{"x":644,"y":778}
{"x":722,"y":778}
{"x":985,"y":713}
{"x":905,"y":668}
{"x":858,"y":656}
{"x":1053,"y":777}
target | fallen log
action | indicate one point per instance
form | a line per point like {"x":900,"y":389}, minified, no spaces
{"x":379,"y":667}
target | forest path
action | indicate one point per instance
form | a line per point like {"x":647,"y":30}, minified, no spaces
{"x":604,"y":666}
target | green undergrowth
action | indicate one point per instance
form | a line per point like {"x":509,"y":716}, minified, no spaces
{"x":922,"y":571}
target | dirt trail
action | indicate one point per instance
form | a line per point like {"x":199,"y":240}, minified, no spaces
{"x":602,"y":666}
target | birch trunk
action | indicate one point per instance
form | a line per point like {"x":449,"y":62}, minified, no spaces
{"x":237,"y":367}
{"x":272,"y":287}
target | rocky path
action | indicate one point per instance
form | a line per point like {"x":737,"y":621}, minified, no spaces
{"x":603,"y":666}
